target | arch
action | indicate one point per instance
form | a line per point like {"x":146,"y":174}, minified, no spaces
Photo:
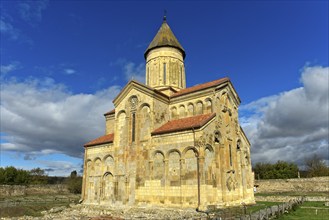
{"x":199,"y":108}
{"x":182,"y":111}
{"x":143,"y":105}
{"x":208,"y":106}
{"x":89,"y":179}
{"x":97,"y":158}
{"x":108,"y":187}
{"x":190,"y":109}
{"x":174,"y":167}
{"x":107,"y":156}
{"x":191,"y":174}
{"x":98,"y":166}
{"x":158,"y":151}
{"x":217,"y":137}
{"x":173,"y":150}
{"x":158,"y":165}
{"x":238,"y":144}
{"x":107,"y":173}
{"x":122,"y":128}
{"x":89,"y":160}
{"x":210,"y":148}
{"x":145,"y":122}
{"x":173,"y":112}
{"x":120,"y":112}
{"x":209,"y":166}
{"x":190,"y":148}
{"x":109,"y":162}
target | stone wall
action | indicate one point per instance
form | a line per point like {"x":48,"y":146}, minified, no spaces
{"x":17,"y":190}
{"x":316,"y":184}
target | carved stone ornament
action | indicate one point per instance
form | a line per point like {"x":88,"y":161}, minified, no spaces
{"x":231,"y":183}
{"x":160,"y":116}
{"x":205,"y":139}
{"x":133,"y":102}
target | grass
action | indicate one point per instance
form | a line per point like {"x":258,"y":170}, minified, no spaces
{"x":30,"y":210}
{"x":260,"y":205}
{"x":308,"y":211}
{"x":326,"y":194}
{"x":33,"y":205}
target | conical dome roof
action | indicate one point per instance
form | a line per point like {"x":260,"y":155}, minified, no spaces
{"x":164,"y":38}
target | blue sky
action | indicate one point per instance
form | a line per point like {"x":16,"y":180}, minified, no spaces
{"x":62,"y":63}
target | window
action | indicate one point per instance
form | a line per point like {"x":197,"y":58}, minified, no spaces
{"x":238,"y":145}
{"x":181,"y":76}
{"x":230,"y":155}
{"x":148,"y":75}
{"x":164,"y":73}
{"x":133,"y":127}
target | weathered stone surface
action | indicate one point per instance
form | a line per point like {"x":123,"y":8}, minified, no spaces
{"x":315,"y":184}
{"x":201,"y":157}
{"x":105,"y":213}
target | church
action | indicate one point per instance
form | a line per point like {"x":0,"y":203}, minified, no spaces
{"x":169,"y":145}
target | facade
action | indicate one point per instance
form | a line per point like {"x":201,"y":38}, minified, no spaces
{"x":169,"y":145}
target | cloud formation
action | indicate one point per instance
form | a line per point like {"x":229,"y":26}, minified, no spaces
{"x":133,"y":71}
{"x":31,"y":11}
{"x":6,"y":28}
{"x":69,"y":71}
{"x":292,"y":125}
{"x":40,"y":117}
{"x":4,"y":69}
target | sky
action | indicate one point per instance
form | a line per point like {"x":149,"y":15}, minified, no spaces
{"x":63,"y":62}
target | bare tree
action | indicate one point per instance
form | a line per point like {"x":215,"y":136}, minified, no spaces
{"x":315,"y":166}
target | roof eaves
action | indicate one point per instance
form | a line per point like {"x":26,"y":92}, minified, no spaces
{"x":197,"y":126}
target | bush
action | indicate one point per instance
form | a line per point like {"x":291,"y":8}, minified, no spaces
{"x":74,"y":183}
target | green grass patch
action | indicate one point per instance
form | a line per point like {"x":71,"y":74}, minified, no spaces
{"x":308,"y":211}
{"x":314,"y":204}
{"x":33,"y":205}
{"x":261,"y":205}
{"x":325,"y":194}
{"x":30,"y":210}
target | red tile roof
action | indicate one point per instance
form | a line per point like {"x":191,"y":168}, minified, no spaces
{"x":110,"y":112}
{"x":184,"y":124}
{"x":101,"y":140}
{"x":201,"y":86}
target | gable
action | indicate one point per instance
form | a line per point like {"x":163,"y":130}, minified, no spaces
{"x":134,"y":85}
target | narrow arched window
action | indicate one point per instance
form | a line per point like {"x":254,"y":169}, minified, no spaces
{"x":230,"y":155}
{"x":133,"y":127}
{"x":181,"y":76}
{"x":164,"y":73}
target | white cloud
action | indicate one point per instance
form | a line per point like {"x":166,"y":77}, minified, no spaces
{"x":292,"y":125}
{"x":4,"y":69}
{"x":31,"y":11}
{"x":8,"y":29}
{"x":135,"y":72}
{"x":40,"y":117}
{"x":59,"y":168}
{"x":69,"y":71}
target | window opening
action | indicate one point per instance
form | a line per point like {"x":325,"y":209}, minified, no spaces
{"x":164,"y":73}
{"x":133,"y":127}
{"x":230,"y":155}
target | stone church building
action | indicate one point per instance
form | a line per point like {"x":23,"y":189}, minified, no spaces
{"x":168,"y":145}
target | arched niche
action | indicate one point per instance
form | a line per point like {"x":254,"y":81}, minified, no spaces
{"x":208,"y":106}
{"x":122,"y":128}
{"x":199,"y":108}
{"x":190,"y":109}
{"x":174,"y":169}
{"x":173,"y":112}
{"x":145,"y":122}
{"x":108,"y":187}
{"x":182,"y":112}
{"x":158,"y":166}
